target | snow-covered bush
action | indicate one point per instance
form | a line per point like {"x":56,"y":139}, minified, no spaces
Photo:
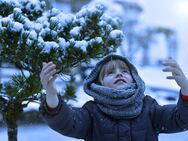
{"x":66,"y":39}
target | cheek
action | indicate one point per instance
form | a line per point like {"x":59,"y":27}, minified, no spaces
{"x":107,"y":81}
{"x":130,"y":78}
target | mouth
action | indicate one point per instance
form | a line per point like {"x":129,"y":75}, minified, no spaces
{"x":119,"y":80}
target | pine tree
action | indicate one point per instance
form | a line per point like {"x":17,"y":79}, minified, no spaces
{"x":31,"y":35}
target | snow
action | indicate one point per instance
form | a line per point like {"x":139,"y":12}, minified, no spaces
{"x":54,"y":11}
{"x":58,"y":21}
{"x":28,"y":24}
{"x":102,"y":23}
{"x":75,"y":31}
{"x":43,"y":20}
{"x":81,"y":44}
{"x":116,"y":34}
{"x":115,"y":22}
{"x":53,"y":33}
{"x":8,"y":72}
{"x":48,"y":45}
{"x":115,"y":10}
{"x":153,"y":77}
{"x":33,"y":35}
{"x":108,"y":27}
{"x":54,"y":20}
{"x":89,"y":10}
{"x":81,"y":21}
{"x":82,"y":13}
{"x":32,"y":1}
{"x":8,"y":1}
{"x":44,"y":31}
{"x":33,"y":133}
{"x":65,"y":19}
{"x":11,"y":2}
{"x":72,"y":41}
{"x":40,"y":41}
{"x":32,"y":106}
{"x":5,"y":20}
{"x":29,"y":42}
{"x":98,"y":39}
{"x":38,"y":27}
{"x":16,"y":26}
{"x":62,"y":43}
{"x":17,"y":10}
{"x":65,"y":7}
{"x":29,"y":7}
{"x":33,"y":5}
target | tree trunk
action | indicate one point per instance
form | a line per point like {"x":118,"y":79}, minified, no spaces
{"x":11,"y":121}
{"x":12,"y":130}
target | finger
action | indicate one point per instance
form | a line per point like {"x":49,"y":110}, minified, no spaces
{"x":43,"y":66}
{"x":41,"y":75}
{"x":49,"y":75}
{"x":170,"y":63}
{"x":46,"y":74}
{"x":168,"y":69}
{"x":49,"y":68}
{"x":172,"y":70}
{"x":169,"y":60}
{"x":170,"y":77}
{"x":44,"y":63}
{"x":47,"y":65}
{"x":52,"y":79}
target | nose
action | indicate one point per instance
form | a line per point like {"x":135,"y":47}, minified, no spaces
{"x":119,"y":73}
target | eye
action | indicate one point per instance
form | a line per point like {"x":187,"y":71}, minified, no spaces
{"x":110,"y":72}
{"x":125,"y":71}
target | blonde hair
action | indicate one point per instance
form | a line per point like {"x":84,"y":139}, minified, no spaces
{"x":110,"y":66}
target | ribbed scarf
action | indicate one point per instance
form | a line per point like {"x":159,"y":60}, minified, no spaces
{"x":123,"y":103}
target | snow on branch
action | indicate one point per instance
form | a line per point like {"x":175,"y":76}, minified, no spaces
{"x":27,"y":28}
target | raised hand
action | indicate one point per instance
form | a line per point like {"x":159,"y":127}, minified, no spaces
{"x":47,"y":78}
{"x":177,"y":74}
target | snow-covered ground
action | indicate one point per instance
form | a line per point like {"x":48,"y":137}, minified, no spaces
{"x":44,"y":133}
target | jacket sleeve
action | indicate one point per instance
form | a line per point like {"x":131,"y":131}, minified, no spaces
{"x":72,"y":122}
{"x":170,"y":118}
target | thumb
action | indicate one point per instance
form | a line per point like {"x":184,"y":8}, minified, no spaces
{"x":43,"y":63}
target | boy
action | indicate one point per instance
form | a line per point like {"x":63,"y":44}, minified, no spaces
{"x":120,"y":110}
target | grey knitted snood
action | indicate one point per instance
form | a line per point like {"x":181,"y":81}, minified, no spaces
{"x":125,"y":103}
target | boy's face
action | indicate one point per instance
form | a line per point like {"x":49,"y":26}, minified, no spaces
{"x":117,"y":77}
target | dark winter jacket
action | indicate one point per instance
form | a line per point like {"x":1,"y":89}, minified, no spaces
{"x":90,"y":124}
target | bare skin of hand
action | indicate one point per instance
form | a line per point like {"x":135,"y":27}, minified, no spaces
{"x":47,"y":77}
{"x":177,"y":74}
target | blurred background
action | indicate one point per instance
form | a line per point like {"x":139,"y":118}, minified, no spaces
{"x":154,"y":30}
